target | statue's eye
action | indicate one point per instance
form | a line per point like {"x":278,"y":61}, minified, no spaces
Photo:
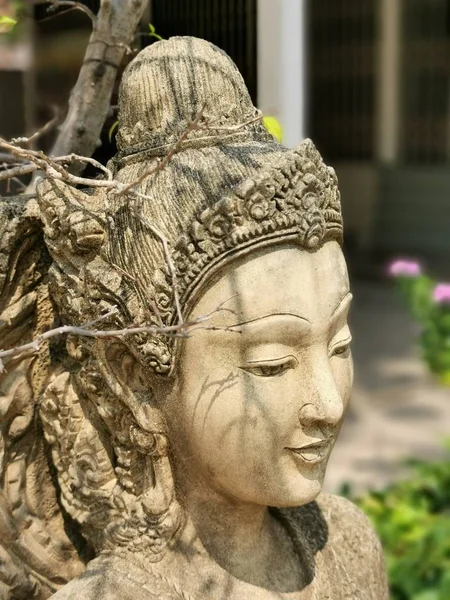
{"x":341,"y":348}
{"x":271,"y":368}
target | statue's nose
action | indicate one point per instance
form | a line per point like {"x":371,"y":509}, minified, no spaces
{"x":324,"y":404}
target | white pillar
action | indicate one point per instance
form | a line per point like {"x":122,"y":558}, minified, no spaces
{"x":292,"y":67}
{"x":389,"y":80}
{"x":282,"y":65}
{"x":268,"y":13}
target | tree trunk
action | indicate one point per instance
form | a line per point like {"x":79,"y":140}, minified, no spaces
{"x":90,"y":99}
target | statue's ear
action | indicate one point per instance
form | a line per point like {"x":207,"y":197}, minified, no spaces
{"x":131,"y":384}
{"x":126,"y":367}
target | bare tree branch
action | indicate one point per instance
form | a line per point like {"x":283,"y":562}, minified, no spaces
{"x":36,"y":160}
{"x":53,"y":168}
{"x":29,"y":167}
{"x":17,"y":181}
{"x":180,"y":330}
{"x":74,"y":5}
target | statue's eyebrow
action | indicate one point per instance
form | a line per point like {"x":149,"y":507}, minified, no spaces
{"x":338,"y":310}
{"x":343,"y":304}
{"x":271,"y":315}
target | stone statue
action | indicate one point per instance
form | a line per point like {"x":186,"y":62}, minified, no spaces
{"x":185,"y":459}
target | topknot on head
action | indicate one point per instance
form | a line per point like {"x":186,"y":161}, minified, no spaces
{"x":172,"y":81}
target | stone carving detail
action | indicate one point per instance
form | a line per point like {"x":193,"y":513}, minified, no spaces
{"x":296,"y":200}
{"x":36,"y":554}
{"x":99,"y":454}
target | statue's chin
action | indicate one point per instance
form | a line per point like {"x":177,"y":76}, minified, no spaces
{"x":303,"y":493}
{"x":300,"y":486}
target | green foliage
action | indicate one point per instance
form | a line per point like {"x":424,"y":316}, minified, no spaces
{"x":429,"y":303}
{"x":6,"y":23}
{"x":418,"y":294}
{"x":273,"y":126}
{"x":412,"y":519}
{"x":112,"y":129}
{"x":152,"y":32}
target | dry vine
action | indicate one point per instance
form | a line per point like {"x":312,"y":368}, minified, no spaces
{"x":180,"y":330}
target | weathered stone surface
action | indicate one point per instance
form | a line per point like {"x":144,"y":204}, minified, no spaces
{"x":149,"y":465}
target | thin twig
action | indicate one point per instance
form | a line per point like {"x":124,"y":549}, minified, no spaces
{"x":37,"y":160}
{"x":124,"y":273}
{"x":52,"y":167}
{"x":179,"y":330}
{"x":152,"y":304}
{"x":209,"y":125}
{"x":35,"y":345}
{"x":44,"y":129}
{"x":76,"y":157}
{"x":74,"y":5}
{"x":21,"y":185}
{"x":30,"y":167}
{"x":13,"y":172}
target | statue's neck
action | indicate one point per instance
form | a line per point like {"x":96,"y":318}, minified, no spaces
{"x":228,"y":527}
{"x":243,"y":539}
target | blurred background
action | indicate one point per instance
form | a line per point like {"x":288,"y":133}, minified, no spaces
{"x":369,"y":82}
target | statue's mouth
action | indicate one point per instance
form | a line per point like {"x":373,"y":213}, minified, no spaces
{"x":313,"y":453}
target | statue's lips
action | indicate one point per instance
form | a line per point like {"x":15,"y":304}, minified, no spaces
{"x":313,"y":453}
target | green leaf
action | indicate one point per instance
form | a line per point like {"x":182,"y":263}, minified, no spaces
{"x":4,"y":20}
{"x":152,"y":32}
{"x":112,"y":129}
{"x":444,"y":378}
{"x":273,"y":126}
{"x":412,"y":520}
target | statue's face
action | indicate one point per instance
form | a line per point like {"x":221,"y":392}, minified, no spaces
{"x":260,"y":404}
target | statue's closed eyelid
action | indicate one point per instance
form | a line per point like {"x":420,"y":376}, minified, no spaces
{"x":270,"y":366}
{"x":273,"y":361}
{"x":341,"y":343}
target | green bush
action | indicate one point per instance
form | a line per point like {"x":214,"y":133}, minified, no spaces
{"x":412,"y":519}
{"x":429,"y":304}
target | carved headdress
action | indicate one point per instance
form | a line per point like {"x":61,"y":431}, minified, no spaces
{"x":209,"y":184}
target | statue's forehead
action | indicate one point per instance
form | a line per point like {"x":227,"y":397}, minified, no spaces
{"x":283,"y":280}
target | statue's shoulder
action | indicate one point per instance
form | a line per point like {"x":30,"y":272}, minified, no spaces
{"x":348,"y":553}
{"x":342,"y":509}
{"x":335,"y":521}
{"x":330,"y":518}
{"x":119,"y":577}
{"x":346,"y":523}
{"x":353,"y":547}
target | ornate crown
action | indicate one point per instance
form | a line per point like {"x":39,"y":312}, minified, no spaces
{"x":296,"y":200}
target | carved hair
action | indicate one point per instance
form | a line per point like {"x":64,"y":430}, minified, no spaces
{"x":229,"y":189}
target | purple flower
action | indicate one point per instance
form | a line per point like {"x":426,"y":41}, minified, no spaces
{"x":405,"y":268}
{"x":441,"y":293}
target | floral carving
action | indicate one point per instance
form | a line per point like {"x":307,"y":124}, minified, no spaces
{"x":260,"y":208}
{"x":217,"y":224}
